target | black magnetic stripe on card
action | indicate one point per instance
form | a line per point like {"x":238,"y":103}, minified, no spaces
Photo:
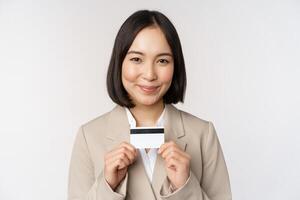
{"x":151,"y":131}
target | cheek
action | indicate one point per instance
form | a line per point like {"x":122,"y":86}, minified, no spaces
{"x":167,"y":75}
{"x":129,"y":73}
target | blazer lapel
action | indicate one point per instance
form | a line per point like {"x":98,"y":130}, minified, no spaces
{"x":139,"y":186}
{"x":118,"y":130}
{"x":174,"y":130}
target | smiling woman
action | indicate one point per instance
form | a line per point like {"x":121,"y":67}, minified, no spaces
{"x":146,"y":75}
{"x":147,"y":69}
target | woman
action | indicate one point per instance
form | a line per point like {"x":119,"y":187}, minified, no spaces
{"x":146,"y":75}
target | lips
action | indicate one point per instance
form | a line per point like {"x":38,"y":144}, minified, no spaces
{"x":148,"y":89}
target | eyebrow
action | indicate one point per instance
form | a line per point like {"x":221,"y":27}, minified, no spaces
{"x":140,"y":53}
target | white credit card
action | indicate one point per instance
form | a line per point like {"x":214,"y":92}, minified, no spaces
{"x":147,"y":137}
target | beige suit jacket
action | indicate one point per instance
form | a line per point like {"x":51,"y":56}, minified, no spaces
{"x":208,"y":176}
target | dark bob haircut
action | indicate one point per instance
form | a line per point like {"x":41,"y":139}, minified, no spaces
{"x":127,"y":33}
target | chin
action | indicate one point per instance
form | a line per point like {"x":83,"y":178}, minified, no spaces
{"x":148,"y":101}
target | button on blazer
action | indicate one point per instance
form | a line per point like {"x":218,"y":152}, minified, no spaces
{"x":208,"y":179}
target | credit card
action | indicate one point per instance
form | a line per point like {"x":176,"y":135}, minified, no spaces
{"x":147,"y":137}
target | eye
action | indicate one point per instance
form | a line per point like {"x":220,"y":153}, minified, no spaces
{"x":163,"y":61}
{"x":136,"y":60}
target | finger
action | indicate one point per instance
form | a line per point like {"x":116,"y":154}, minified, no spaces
{"x":173,"y":154}
{"x":122,"y":149}
{"x":115,"y":165}
{"x":163,"y":147}
{"x":173,"y":163}
{"x":174,"y":150}
{"x":119,"y":164}
{"x":181,"y":159}
{"x":128,"y":146}
{"x":166,"y":145}
{"x":122,"y":144}
{"x":121,"y":156}
{"x":172,"y":146}
{"x":131,"y":154}
{"x":120,"y":161}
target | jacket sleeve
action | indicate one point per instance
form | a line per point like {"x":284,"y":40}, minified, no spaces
{"x":83,"y":185}
{"x":214,"y":184}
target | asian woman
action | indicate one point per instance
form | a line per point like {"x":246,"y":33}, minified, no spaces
{"x":146,"y":75}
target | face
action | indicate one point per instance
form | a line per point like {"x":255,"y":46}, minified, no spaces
{"x":147,"y":69}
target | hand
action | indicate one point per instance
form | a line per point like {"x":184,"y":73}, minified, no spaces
{"x":177,"y":163}
{"x":117,"y":162}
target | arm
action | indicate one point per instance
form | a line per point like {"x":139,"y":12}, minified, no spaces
{"x":83,"y":185}
{"x":214,"y":184}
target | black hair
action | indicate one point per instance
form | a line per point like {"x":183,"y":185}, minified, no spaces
{"x":125,"y":37}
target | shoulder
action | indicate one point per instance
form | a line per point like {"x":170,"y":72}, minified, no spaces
{"x":191,"y":121}
{"x":190,"y":118}
{"x":195,"y":126}
{"x":99,"y":123}
{"x":96,"y":122}
{"x":201,"y":132}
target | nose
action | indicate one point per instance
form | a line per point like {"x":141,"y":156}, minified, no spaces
{"x":149,"y":73}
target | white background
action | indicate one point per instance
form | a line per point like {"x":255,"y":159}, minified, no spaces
{"x":243,"y":69}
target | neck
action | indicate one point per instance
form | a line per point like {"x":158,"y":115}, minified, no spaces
{"x":147,"y":115}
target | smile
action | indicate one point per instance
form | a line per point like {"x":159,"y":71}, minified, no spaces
{"x":149,"y":89}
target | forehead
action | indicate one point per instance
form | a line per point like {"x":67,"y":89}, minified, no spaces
{"x":151,"y":40}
